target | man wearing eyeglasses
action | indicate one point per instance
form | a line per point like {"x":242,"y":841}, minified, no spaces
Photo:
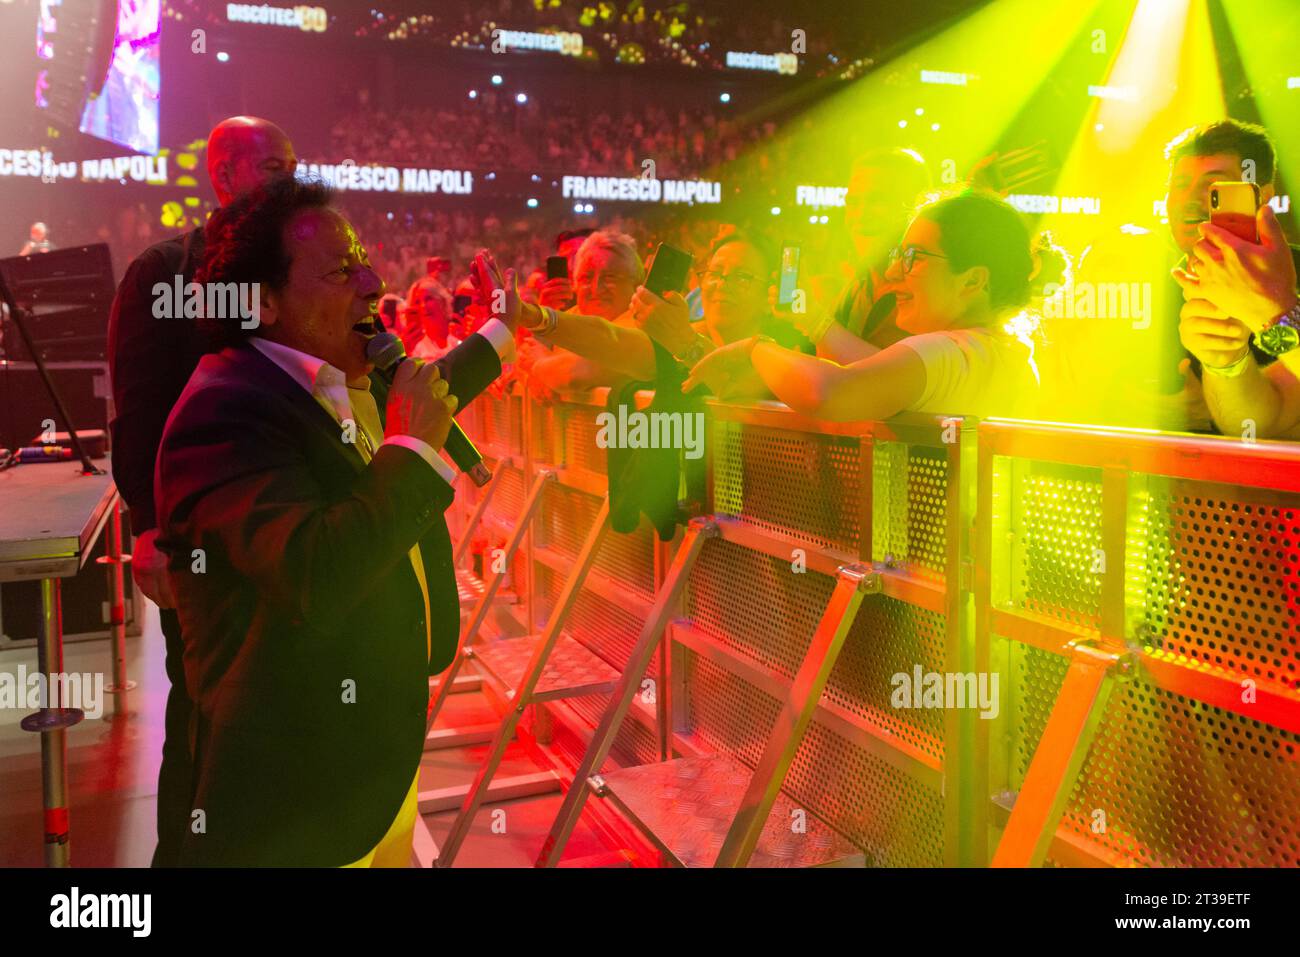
{"x":301,"y":505}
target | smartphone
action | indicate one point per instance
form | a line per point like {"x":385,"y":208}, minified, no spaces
{"x":669,"y":272}
{"x":557,"y":267}
{"x":1233,"y":207}
{"x":1015,"y":170}
{"x":788,"y":281}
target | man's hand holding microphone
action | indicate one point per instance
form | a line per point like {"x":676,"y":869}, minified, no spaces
{"x":420,"y":404}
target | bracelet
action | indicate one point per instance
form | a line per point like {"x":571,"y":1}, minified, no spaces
{"x":697,"y":350}
{"x":550,"y":320}
{"x":542,"y":331}
{"x":1232,"y":370}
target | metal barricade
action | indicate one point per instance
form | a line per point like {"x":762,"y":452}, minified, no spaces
{"x":1062,"y":564}
{"x":797,"y":500}
{"x":1138,"y":594}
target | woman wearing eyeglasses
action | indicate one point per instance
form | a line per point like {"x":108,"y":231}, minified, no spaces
{"x":963,"y":275}
{"x":734,"y":294}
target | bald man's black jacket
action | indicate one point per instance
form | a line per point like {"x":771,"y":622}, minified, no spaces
{"x":149,"y":361}
{"x":303,"y":620}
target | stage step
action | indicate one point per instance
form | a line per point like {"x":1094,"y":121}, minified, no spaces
{"x":687,"y":806}
{"x":621,"y":858}
{"x":469,"y":587}
{"x":570,"y":671}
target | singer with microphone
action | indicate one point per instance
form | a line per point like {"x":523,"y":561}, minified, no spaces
{"x":300,"y":498}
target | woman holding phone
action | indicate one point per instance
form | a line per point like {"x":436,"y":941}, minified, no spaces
{"x":962,"y":274}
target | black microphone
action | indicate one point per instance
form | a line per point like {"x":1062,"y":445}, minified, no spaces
{"x":386,"y":352}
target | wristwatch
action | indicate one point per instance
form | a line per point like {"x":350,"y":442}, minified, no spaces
{"x":1282,"y":334}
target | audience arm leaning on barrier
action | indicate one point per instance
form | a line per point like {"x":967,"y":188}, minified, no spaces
{"x":874,"y":388}
{"x":962,"y":274}
{"x":823,"y":329}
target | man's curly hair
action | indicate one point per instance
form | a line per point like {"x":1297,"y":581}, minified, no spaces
{"x":244,"y":243}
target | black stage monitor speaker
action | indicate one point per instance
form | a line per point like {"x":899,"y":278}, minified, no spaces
{"x":65,"y":295}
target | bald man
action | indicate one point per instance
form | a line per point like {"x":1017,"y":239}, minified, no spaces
{"x":150,"y":360}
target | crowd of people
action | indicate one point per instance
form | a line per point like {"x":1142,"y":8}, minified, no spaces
{"x":949,"y":304}
{"x":494,"y":132}
{"x":690,"y":34}
{"x":693,"y":35}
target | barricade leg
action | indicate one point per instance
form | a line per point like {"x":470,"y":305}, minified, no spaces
{"x":1057,"y":760}
{"x":523,"y":694}
{"x":479,"y":511}
{"x":699,"y":530}
{"x":490,"y":590}
{"x":796,"y":714}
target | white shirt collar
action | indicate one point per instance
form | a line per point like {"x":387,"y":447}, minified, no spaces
{"x":307,"y":370}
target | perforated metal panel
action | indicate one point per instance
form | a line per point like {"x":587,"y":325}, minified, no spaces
{"x":1172,"y":782}
{"x":803,"y":484}
{"x":1056,"y":529}
{"x":1210,"y":580}
{"x":756,"y":605}
{"x":580,"y":432}
{"x":629,"y":559}
{"x":888,"y":813}
{"x":634,"y":744}
{"x":606,"y":628}
{"x":566,"y":520}
{"x":908,"y":508}
{"x":500,"y":419}
{"x":508,"y":500}
{"x":1221,"y":578}
{"x":761,"y":610}
{"x":889,"y":638}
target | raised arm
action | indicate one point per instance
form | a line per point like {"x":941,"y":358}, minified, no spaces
{"x":622,"y":349}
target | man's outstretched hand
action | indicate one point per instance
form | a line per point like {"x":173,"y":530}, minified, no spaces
{"x":497,"y":292}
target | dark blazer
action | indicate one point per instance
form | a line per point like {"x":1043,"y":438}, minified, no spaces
{"x":149,"y":361}
{"x":304,"y":629}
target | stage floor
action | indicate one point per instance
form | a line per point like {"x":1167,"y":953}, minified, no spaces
{"x":113,"y":774}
